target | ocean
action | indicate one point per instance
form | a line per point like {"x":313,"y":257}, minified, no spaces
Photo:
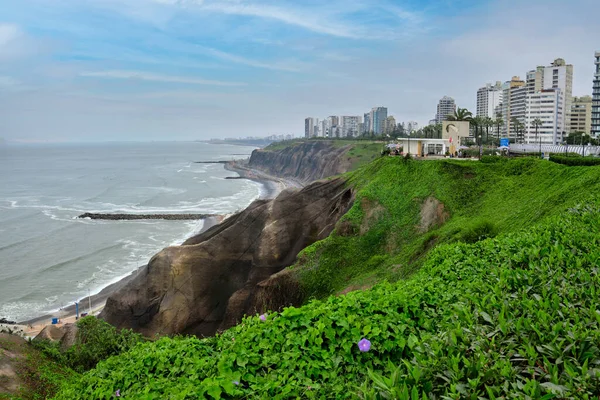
{"x":49,"y":259}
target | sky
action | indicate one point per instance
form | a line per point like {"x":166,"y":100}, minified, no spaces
{"x":112,"y":70}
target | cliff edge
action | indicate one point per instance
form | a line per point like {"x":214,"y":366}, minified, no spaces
{"x":211,"y":281}
{"x":307,"y":162}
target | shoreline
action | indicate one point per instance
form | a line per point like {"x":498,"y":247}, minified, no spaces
{"x":273,"y":185}
{"x":33,"y":326}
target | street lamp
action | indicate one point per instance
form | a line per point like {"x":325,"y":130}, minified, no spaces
{"x":480,"y":146}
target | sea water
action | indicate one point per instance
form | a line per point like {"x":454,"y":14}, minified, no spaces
{"x":49,"y":258}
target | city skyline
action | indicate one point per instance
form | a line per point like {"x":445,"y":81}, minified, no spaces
{"x":144,"y":70}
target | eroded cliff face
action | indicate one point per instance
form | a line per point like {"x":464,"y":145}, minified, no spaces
{"x":211,"y":281}
{"x":306,"y":161}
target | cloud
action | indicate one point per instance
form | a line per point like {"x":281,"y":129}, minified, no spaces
{"x":278,"y":66}
{"x":7,"y":81}
{"x":296,"y":18}
{"x":8,"y":33}
{"x":337,"y":18}
{"x":145,"y":76}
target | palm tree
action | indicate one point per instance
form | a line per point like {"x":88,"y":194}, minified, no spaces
{"x":498,"y":122}
{"x":488,"y":123}
{"x":518,"y":126}
{"x":477,"y":123}
{"x":537,"y":123}
{"x":460,"y":114}
{"x":437,"y":130}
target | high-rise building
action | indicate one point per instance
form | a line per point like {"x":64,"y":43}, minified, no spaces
{"x":548,"y":107}
{"x":367,"y":123}
{"x":557,"y":75}
{"x":596,"y":99}
{"x":581,"y":115}
{"x":324,"y":131}
{"x":309,"y":127}
{"x":446,"y":106}
{"x":377,"y":118}
{"x":514,"y":102}
{"x":332,"y":124}
{"x":412,"y":126}
{"x":349,"y":125}
{"x":489,"y":99}
{"x":390,"y":125}
{"x":317,"y":129}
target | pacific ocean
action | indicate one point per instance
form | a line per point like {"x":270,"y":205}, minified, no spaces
{"x":49,"y":259}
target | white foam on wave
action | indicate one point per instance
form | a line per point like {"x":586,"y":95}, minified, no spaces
{"x":138,"y":253}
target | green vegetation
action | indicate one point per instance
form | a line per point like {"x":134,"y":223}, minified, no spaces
{"x":381,"y":237}
{"x":360,"y":151}
{"x":574,"y":161}
{"x":96,"y":341}
{"x":40,"y":377}
{"x":511,"y":317}
{"x":484,"y":281}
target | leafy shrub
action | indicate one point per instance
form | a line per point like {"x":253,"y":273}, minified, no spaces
{"x":513,"y":317}
{"x":96,"y":341}
{"x":574,"y":161}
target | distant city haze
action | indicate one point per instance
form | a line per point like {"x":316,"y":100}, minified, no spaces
{"x":144,"y":70}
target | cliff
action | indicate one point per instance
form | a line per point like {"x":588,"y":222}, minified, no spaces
{"x":307,"y":162}
{"x":211,"y":281}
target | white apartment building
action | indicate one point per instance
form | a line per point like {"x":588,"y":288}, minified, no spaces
{"x":549,"y":107}
{"x":446,"y":106}
{"x":514,"y":95}
{"x":349,"y":126}
{"x":324,"y":131}
{"x":489,"y":99}
{"x":309,"y":127}
{"x":596,"y":98}
{"x":557,"y":75}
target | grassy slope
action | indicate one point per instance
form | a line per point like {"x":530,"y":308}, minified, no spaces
{"x":39,"y":376}
{"x":360,"y":152}
{"x":501,"y":197}
{"x":513,"y":316}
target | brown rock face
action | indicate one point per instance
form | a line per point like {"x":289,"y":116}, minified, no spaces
{"x":50,"y":332}
{"x":211,"y":281}
{"x":433,"y":214}
{"x":306,"y":162}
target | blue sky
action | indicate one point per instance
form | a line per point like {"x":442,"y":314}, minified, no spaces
{"x":94,"y":70}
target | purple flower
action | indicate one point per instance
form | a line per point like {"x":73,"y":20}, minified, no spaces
{"x":118,"y":393}
{"x":236,"y":382}
{"x":364,"y":345}
{"x":263,"y":317}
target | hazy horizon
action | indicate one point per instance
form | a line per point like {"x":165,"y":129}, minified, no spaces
{"x":155,"y":70}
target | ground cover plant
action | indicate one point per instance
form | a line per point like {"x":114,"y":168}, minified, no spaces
{"x":575,"y":161}
{"x":96,"y":340}
{"x":382,"y":236}
{"x":510,"y":317}
{"x":495,"y":300}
